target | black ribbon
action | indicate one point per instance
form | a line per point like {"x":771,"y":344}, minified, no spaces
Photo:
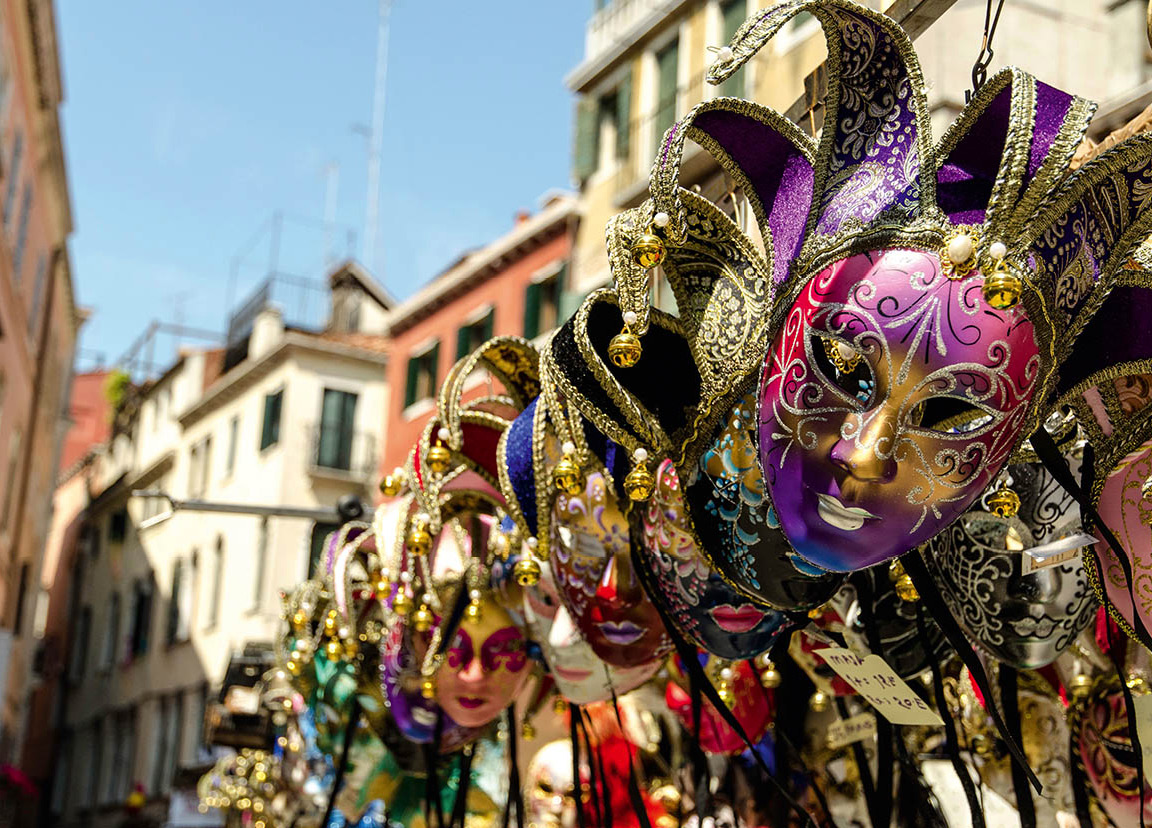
{"x":460,"y":806}
{"x":574,"y":735}
{"x":606,"y":817}
{"x":930,"y":597}
{"x":1009,"y":689}
{"x":594,"y":758}
{"x":338,"y":780}
{"x":884,"y":731}
{"x":1079,"y":783}
{"x":951,"y":744}
{"x":633,"y":786}
{"x":515,"y":798}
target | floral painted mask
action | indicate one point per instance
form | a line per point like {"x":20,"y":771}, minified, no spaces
{"x":893,"y":396}
{"x":484,"y":668}
{"x":752,"y":706}
{"x":592,"y":564}
{"x":705,"y":607}
{"x":580,"y":676}
{"x":1100,"y":731}
{"x":1022,"y":610}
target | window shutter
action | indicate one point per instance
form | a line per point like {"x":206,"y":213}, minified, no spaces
{"x":734,"y":13}
{"x":624,"y":115}
{"x":488,"y":322}
{"x":410,"y":388}
{"x":463,"y":341}
{"x":434,"y":369}
{"x":587,"y":143}
{"x":532,"y":311}
{"x":666,"y":63}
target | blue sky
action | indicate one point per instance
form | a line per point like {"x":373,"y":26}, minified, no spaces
{"x":187,"y":124}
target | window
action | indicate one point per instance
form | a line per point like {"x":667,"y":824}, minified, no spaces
{"x":118,"y":525}
{"x":334,"y":440}
{"x":603,"y":128}
{"x":37,"y":292}
{"x":178,"y":606}
{"x":270,"y":430}
{"x":10,"y":478}
{"x":96,"y":748}
{"x":22,"y":232}
{"x":203,"y":749}
{"x":422,"y":375}
{"x":123,"y":750}
{"x":62,"y":779}
{"x":175,"y":739}
{"x":542,"y":304}
{"x":733,"y":13}
{"x":141,"y":618}
{"x":111,"y":633}
{"x":217,"y":584}
{"x":18,"y":624}
{"x":320,"y":533}
{"x":13,"y":177}
{"x":199,"y":463}
{"x":667,"y":66}
{"x":161,"y":777}
{"x":354,"y":316}
{"x":233,"y":436}
{"x":474,"y":334}
{"x":78,"y":662}
{"x":261,"y":563}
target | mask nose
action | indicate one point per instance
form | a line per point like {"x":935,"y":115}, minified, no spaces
{"x":563,"y":633}
{"x":472,"y":673}
{"x":1036,"y":587}
{"x":617,"y":585}
{"x":860,"y":456}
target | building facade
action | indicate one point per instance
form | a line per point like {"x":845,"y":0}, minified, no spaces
{"x":519,"y":285}
{"x":38,"y":329}
{"x":166,"y":591}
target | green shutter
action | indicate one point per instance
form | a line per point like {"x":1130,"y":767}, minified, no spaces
{"x":624,"y":115}
{"x":666,"y":67}
{"x":488,"y":322}
{"x":433,"y":358}
{"x":532,"y":311}
{"x":463,"y":341}
{"x":734,"y":13}
{"x":410,"y":388}
{"x":587,"y":143}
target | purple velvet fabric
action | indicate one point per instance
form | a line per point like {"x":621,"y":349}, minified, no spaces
{"x":1126,"y":311}
{"x":780,"y":174}
{"x":964,"y":182}
{"x":1051,"y":108}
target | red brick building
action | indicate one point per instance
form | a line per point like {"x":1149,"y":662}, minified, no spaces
{"x":517,"y":285}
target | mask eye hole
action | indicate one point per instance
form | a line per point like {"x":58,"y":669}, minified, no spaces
{"x":949,"y":415}
{"x":844,"y":367}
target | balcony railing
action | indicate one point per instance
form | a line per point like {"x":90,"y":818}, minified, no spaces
{"x":611,"y":25}
{"x":338,"y":450}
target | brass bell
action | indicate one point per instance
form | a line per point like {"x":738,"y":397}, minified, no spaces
{"x":500,"y":545}
{"x":438,"y":458}
{"x":293,"y":667}
{"x":428,"y":688}
{"x":299,"y":619}
{"x":527,"y":572}
{"x":566,"y":475}
{"x":393,"y":483}
{"x":527,"y":731}
{"x":1003,"y":502}
{"x":1002,"y":288}
{"x":422,"y":619}
{"x":475,"y":610}
{"x":906,"y":590}
{"x":1079,"y":685}
{"x":724,"y":691}
{"x":382,"y":588}
{"x":770,"y":676}
{"x":639,"y":482}
{"x":559,"y":704}
{"x":819,"y":701}
{"x":624,"y":349}
{"x":333,"y":650}
{"x":419,"y":540}
{"x":648,"y":251}
{"x":402,"y":603}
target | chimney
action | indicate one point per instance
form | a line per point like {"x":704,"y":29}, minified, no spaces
{"x":522,"y":216}
{"x":267,"y":331}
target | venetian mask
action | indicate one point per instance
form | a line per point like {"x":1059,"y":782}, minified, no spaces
{"x":592,"y":563}
{"x":1023,"y":610}
{"x":892,"y":397}
{"x":549,"y":788}
{"x":580,"y":676}
{"x":485,"y":667}
{"x":705,"y":607}
{"x":751,"y":705}
{"x":1100,"y":731}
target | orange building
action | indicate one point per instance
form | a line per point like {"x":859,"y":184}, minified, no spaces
{"x":517,"y":285}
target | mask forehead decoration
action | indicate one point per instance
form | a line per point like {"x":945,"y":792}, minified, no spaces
{"x":1020,"y":609}
{"x":909,"y":310}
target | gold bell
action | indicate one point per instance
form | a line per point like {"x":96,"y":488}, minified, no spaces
{"x":299,"y":619}
{"x":1003,"y":502}
{"x":770,"y":677}
{"x":333,"y":650}
{"x":500,"y":545}
{"x":566,"y":476}
{"x":422,"y":619}
{"x":1002,"y":288}
{"x":724,"y":691}
{"x":559,"y":704}
{"x":474,"y":611}
{"x":819,"y":701}
{"x":392,"y":484}
{"x":438,"y":458}
{"x":639,"y":482}
{"x":419,"y":540}
{"x":402,"y":603}
{"x":527,"y":572}
{"x":293,"y":667}
{"x":1079,"y":686}
{"x":428,"y":688}
{"x":905,"y":589}
{"x":624,"y":349}
{"x":527,"y":731}
{"x":648,"y":251}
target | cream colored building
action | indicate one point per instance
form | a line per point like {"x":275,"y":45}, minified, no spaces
{"x":283,"y":417}
{"x":644,"y":64}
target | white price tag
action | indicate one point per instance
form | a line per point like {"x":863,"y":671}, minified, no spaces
{"x":877,"y":682}
{"x":843,"y":732}
{"x":1055,"y":552}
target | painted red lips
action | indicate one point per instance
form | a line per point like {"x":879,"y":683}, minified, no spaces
{"x":736,"y":619}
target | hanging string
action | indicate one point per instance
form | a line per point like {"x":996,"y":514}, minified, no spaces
{"x":574,"y":736}
{"x":984,"y":58}
{"x":353,"y":722}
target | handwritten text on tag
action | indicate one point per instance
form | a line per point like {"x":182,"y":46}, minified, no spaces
{"x":877,"y":682}
{"x":857,"y":728}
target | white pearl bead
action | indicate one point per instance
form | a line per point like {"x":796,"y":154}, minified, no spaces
{"x":443,"y":433}
{"x":532,"y":543}
{"x":726,"y":674}
{"x":569,"y":447}
{"x":474,"y":595}
{"x":725,"y":54}
{"x":629,"y":317}
{"x":960,"y":248}
{"x":640,"y":455}
{"x":426,"y":598}
{"x":396,"y":472}
{"x":406,"y":577}
{"x":845,"y":350}
{"x":998,"y":250}
{"x":661,"y":219}
{"x":343,"y":632}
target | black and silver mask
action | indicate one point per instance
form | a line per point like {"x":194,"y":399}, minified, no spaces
{"x":1017,"y":584}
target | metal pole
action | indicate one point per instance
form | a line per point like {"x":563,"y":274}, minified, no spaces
{"x":376,"y":142}
{"x":328,"y":515}
{"x":332,"y":173}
